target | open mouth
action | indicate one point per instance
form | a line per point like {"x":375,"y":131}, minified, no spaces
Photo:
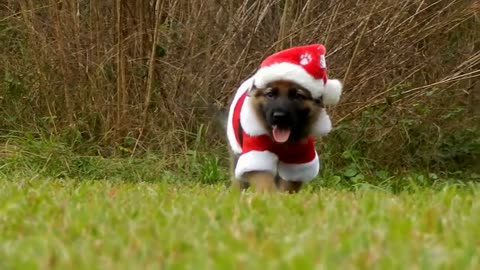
{"x":280,"y":134}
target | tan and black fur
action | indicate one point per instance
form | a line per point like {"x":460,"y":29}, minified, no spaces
{"x":299,"y":111}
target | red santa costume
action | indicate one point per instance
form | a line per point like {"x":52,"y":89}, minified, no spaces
{"x":306,"y":66}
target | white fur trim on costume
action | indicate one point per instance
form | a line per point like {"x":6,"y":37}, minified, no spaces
{"x":299,"y":172}
{"x":323,"y":125}
{"x":333,"y":91}
{"x":256,"y":161}
{"x":289,"y":72}
{"x":249,"y":119}
{"x":232,"y":139}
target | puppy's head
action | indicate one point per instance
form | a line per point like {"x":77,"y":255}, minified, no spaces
{"x":286,"y":110}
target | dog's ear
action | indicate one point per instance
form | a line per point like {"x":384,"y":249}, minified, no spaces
{"x":219,"y":114}
{"x":252,"y":89}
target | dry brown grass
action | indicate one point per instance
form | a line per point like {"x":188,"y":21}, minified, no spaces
{"x":148,"y":70}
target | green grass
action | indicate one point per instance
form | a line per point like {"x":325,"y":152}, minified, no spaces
{"x":81,"y":224}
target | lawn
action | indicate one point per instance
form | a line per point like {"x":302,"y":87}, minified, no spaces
{"x":73,"y":224}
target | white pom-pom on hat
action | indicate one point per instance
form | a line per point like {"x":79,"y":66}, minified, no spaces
{"x":332,"y":92}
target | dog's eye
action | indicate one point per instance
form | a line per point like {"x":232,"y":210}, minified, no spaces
{"x":300,"y":96}
{"x":296,"y":94}
{"x":271,"y":93}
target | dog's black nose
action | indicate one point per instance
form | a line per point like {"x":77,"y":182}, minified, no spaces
{"x":279,"y":116}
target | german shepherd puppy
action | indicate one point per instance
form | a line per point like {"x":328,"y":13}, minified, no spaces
{"x":274,"y":117}
{"x":288,"y":112}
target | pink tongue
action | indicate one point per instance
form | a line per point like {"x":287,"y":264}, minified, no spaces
{"x":280,"y":135}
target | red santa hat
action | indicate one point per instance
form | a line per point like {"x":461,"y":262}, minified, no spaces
{"x":304,"y":65}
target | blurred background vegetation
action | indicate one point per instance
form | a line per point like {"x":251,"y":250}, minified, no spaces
{"x":101,"y":88}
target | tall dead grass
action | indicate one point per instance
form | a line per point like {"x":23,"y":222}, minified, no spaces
{"x":142,"y":74}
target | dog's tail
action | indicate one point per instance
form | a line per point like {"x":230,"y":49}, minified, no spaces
{"x":219,"y":115}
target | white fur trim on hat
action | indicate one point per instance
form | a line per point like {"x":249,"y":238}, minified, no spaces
{"x":289,"y":72}
{"x":256,"y":161}
{"x":249,"y":119}
{"x":299,"y":172}
{"x":323,"y":125}
{"x":331,"y":92}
